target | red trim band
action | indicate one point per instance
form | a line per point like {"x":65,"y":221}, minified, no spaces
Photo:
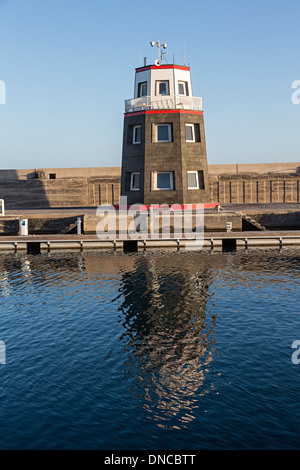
{"x":193,"y":206}
{"x":171,"y":66}
{"x":164,"y":111}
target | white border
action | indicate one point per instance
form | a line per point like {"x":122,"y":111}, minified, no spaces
{"x":131,"y":181}
{"x":184,"y":86}
{"x":169,"y":132}
{"x":134,"y":134}
{"x":167,"y":88}
{"x":171,"y":181}
{"x":193,"y":132}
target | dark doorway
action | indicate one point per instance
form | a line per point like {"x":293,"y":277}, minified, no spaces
{"x":229,"y":244}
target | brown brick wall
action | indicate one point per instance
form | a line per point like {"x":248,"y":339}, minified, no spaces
{"x":76,"y":192}
{"x":177,"y":156}
{"x":232,"y":189}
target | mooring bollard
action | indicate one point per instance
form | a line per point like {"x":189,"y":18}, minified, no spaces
{"x":229,"y":227}
{"x":24,"y":227}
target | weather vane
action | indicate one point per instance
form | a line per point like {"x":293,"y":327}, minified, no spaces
{"x":160,"y":51}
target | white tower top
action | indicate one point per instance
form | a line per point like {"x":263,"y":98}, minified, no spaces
{"x":162,"y":81}
{"x":163,"y":86}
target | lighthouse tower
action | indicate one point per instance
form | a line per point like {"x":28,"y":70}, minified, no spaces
{"x":164,"y":152}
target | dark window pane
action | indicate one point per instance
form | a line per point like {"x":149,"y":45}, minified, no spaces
{"x":137,"y":135}
{"x":197,"y":132}
{"x":163,"y":88}
{"x":181,"y":88}
{"x":135,"y":181}
{"x":201,"y":179}
{"x":163,"y":181}
{"x":163,"y":132}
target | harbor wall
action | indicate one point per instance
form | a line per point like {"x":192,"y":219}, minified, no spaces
{"x":90,"y":187}
{"x":255,"y":189}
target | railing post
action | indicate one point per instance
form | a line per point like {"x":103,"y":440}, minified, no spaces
{"x":78,"y":222}
{"x":151,"y":219}
{"x":2,"y":207}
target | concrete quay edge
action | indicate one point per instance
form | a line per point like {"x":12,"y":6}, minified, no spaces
{"x":210,"y":240}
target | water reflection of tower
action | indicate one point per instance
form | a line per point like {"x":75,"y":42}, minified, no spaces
{"x":169,"y":334}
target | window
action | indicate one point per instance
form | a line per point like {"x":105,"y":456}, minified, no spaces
{"x":163,"y":133}
{"x":195,"y":179}
{"x":192,"y":133}
{"x":136,"y":135}
{"x":189,"y":133}
{"x":142,"y":89}
{"x":135,"y":181}
{"x":192,"y":180}
{"x":163,"y":180}
{"x":183,"y":88}
{"x":52,"y":176}
{"x":162,"y":87}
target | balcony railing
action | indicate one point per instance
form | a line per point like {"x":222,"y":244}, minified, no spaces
{"x":163,"y":102}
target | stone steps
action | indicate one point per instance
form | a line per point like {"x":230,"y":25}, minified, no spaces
{"x":253,"y":222}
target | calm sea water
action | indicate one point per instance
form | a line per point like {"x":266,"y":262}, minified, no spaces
{"x":151,"y":350}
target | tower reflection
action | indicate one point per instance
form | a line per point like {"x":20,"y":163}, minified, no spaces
{"x":169,"y":334}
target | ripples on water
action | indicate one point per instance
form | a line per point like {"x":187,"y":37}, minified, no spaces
{"x":152,"y":350}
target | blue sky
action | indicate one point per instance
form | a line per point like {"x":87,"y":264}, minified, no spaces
{"x":69,"y":65}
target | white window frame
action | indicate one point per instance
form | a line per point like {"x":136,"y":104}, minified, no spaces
{"x":169,"y":132}
{"x":197,"y":179}
{"x":167,"y":87}
{"x":131,"y":181}
{"x":171,"y":188}
{"x":134,"y":134}
{"x":184,"y":87}
{"x":193,"y":132}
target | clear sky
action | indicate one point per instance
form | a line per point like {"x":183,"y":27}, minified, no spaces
{"x":68,"y":66}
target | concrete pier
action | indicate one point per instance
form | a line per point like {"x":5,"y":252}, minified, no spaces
{"x":56,"y":228}
{"x":63,"y":221}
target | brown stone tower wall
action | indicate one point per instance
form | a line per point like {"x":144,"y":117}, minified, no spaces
{"x":177,"y":156}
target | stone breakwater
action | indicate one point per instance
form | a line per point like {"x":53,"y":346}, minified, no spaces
{"x":91,"y":187}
